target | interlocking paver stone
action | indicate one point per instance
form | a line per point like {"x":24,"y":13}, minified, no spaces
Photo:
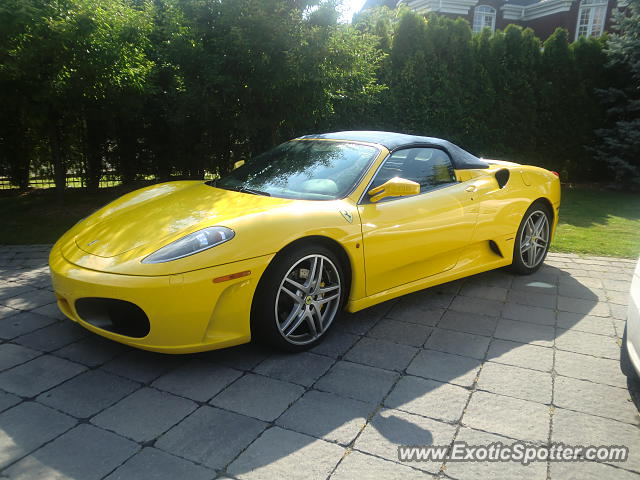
{"x":197,"y":380}
{"x":327,"y":416}
{"x":460,"y":343}
{"x":400,"y":332}
{"x":390,"y":429}
{"x":91,"y":351}
{"x":469,"y":323}
{"x":587,"y":367}
{"x":527,"y":420}
{"x":142,"y":366}
{"x":21,"y":323}
{"x":281,"y":453}
{"x":525,"y":332}
{"x":88,"y":393}
{"x":211,"y":436}
{"x":445,"y":367}
{"x":38,"y":375}
{"x":516,"y":382}
{"x":520,"y":354}
{"x":12,"y":355}
{"x":527,"y":313}
{"x":365,"y":467}
{"x":588,"y":343}
{"x":357,"y":381}
{"x":144,"y":414}
{"x":85,"y":452}
{"x":336,"y":344}
{"x":302,"y":368}
{"x":26,"y":427}
{"x":381,"y":354}
{"x":258,"y":396}
{"x":431,"y":398}
{"x":153,"y":464}
{"x":53,"y":336}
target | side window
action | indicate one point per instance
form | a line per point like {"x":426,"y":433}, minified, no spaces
{"x":430,"y":167}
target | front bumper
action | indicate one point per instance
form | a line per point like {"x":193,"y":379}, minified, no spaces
{"x":187,"y":312}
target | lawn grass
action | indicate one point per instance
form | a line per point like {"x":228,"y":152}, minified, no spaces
{"x":596,"y":222}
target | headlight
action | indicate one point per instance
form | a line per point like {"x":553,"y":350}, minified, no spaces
{"x":193,"y":243}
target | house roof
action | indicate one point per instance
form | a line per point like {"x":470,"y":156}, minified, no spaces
{"x":394,"y":141}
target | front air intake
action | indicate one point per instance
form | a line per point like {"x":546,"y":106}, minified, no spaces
{"x":117,"y":316}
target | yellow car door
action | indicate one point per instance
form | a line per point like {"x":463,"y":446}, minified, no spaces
{"x":410,"y":238}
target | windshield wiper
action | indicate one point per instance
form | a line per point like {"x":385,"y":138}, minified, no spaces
{"x":255,"y":192}
{"x":214,"y":183}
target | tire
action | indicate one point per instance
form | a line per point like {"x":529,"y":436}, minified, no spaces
{"x":293,"y":307}
{"x":531,"y":246}
{"x":625,"y":362}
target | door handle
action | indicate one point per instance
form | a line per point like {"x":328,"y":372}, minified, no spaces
{"x":471,"y":188}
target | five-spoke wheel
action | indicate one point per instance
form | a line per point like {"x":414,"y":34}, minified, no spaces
{"x":532,"y":241}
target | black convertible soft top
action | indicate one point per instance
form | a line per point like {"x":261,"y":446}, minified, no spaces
{"x":393,"y":141}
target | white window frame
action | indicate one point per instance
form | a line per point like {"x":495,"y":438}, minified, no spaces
{"x":595,"y":16}
{"x":480,"y":14}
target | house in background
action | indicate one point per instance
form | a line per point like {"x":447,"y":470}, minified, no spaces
{"x":589,"y":18}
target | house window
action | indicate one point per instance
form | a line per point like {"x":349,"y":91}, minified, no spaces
{"x":484,"y":16}
{"x":591,"y":18}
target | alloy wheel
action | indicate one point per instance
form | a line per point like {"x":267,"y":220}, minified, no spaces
{"x":534,"y":240}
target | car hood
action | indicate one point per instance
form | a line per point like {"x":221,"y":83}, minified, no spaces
{"x":157,"y":216}
{"x":118,"y":236}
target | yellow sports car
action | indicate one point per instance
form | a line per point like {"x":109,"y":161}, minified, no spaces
{"x":275,"y":249}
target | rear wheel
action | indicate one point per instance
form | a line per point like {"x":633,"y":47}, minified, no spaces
{"x":298,"y":298}
{"x":532,"y":240}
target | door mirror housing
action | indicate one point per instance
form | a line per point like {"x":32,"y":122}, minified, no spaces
{"x":394,"y":187}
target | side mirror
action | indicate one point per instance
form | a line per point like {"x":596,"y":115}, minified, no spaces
{"x":395,"y":187}
{"x":238,"y":164}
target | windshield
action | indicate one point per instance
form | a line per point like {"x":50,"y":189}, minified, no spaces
{"x":302,"y":169}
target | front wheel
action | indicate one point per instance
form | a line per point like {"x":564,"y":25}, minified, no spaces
{"x":532,"y":240}
{"x":298,"y":299}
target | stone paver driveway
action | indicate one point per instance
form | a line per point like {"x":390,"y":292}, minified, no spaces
{"x":491,"y":358}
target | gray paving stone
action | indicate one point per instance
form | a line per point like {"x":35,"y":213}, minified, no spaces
{"x":516,"y":382}
{"x":51,"y":310}
{"x":327,"y":416}
{"x":588,"y":343}
{"x":281,"y":453}
{"x":616,"y":285}
{"x":585,"y":323}
{"x":197,"y":380}
{"x":539,"y":282}
{"x":381,"y":354}
{"x":86,"y":453}
{"x":484,"y":292}
{"x":336,"y":344}
{"x":357,"y":381}
{"x":574,"y":428}
{"x":88,"y":393}
{"x":8,"y":400}
{"x":53,"y":336}
{"x":143,"y":366}
{"x":242,"y":357}
{"x":430,"y":398}
{"x":154,"y":464}
{"x":459,"y":343}
{"x":144,"y":414}
{"x":618,"y":311}
{"x":586,"y":307}
{"x":428,"y":299}
{"x":477,"y":306}
{"x":469,"y":323}
{"x":528,"y":421}
{"x":390,"y":429}
{"x":29,"y":300}
{"x":494,"y":278}
{"x":301,"y":368}
{"x":259,"y":397}
{"x":464,"y":470}
{"x":412,"y":313}
{"x":211,"y":437}
{"x":400,"y":332}
{"x":547,"y":299}
{"x":445,"y":367}
{"x":22,"y":322}
{"x":360,"y":322}
{"x":586,"y":367}
{"x":585,"y":396}
{"x":589,"y":471}
{"x":577,"y":290}
{"x":620,"y":298}
{"x":525,"y":332}
{"x":11,"y":289}
{"x":6,"y":312}
{"x":521,"y":355}
{"x":38,"y":375}
{"x":365,"y":467}
{"x":28,"y":426}
{"x":12,"y":355}
{"x":92,"y":351}
{"x":527,"y":313}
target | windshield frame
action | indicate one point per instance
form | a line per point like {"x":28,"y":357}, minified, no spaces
{"x":378,"y":149}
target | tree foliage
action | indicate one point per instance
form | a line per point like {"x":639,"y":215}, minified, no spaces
{"x":165,"y":88}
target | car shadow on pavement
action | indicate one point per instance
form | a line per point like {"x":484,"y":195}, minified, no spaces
{"x":479,"y":356}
